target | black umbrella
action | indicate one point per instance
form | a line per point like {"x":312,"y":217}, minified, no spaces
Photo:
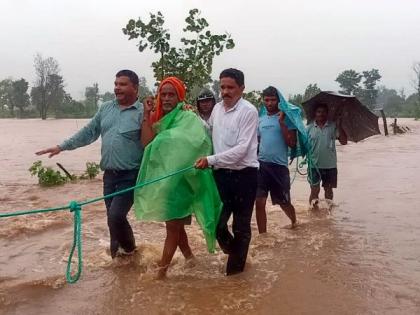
{"x":357,"y":120}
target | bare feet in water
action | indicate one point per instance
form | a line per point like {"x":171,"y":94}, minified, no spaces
{"x":292,"y":226}
{"x":314,"y":206}
{"x":161,"y":273}
{"x":190,"y":262}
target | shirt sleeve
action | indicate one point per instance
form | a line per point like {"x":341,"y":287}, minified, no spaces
{"x":247,"y":131}
{"x":84,"y":136}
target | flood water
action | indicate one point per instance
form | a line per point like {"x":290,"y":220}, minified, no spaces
{"x":362,"y":258}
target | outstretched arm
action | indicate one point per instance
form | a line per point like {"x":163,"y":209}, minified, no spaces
{"x":83,"y":137}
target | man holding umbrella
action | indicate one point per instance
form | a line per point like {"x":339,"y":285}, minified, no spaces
{"x":322,"y":134}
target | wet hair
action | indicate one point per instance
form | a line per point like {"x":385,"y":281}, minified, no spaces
{"x":130,"y":74}
{"x":235,"y":74}
{"x":270,"y":91}
{"x":321,"y":105}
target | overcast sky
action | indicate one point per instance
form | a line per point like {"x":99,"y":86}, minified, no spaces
{"x":287,"y":43}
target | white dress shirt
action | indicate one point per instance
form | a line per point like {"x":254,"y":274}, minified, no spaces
{"x":234,"y":135}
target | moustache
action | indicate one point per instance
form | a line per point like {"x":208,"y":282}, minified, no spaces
{"x":226,"y":96}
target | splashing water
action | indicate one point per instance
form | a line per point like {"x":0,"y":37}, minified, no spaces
{"x":357,"y":255}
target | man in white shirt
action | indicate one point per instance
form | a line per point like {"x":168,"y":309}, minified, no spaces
{"x":234,"y":123}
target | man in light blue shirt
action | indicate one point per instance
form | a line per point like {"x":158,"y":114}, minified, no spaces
{"x":118,"y":123}
{"x":276,"y":135}
{"x":322,"y":134}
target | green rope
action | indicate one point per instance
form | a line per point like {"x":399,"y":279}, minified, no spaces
{"x":296,"y":170}
{"x":77,"y":243}
{"x":310,"y":168}
{"x":76,"y":208}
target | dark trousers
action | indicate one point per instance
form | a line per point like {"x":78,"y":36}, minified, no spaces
{"x":117,"y":208}
{"x":237,"y":190}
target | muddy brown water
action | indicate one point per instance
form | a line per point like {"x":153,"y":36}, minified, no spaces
{"x":363,"y":258}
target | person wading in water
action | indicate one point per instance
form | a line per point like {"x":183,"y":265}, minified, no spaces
{"x":322,"y":135}
{"x":276,"y":133}
{"x":118,"y":123}
{"x":233,"y":124}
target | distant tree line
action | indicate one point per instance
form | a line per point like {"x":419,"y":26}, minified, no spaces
{"x":365,"y":86}
{"x":48,"y":97}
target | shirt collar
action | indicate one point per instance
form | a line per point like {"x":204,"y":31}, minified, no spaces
{"x":135,"y":105}
{"x":234,"y":107}
{"x":325,"y":125}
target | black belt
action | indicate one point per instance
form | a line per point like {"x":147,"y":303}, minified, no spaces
{"x":121,"y":172}
{"x":241,"y":171}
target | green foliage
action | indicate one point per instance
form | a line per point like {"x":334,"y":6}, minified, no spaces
{"x":395,"y":104}
{"x":92,"y":170}
{"x":254,"y":97}
{"x":416,"y":84}
{"x":215,"y":87}
{"x":349,"y":81}
{"x":46,"y":175}
{"x":14,"y":94}
{"x":193,"y":61}
{"x":310,"y":91}
{"x":49,"y":177}
{"x":296,"y":99}
{"x":144,"y":90}
{"x":5,"y":93}
{"x":369,"y":93}
{"x":107,"y":96}
{"x":91,"y":99}
{"x":19,"y":95}
{"x":70,"y":108}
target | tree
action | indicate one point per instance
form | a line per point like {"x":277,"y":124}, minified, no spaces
{"x":296,"y":99}
{"x":411,"y":106}
{"x":5,"y":94}
{"x":310,"y":91}
{"x":47,"y":79}
{"x":390,"y":101}
{"x":69,"y":108}
{"x":144,"y":90}
{"x":416,"y":84}
{"x":55,"y":91}
{"x":215,"y":87}
{"x":19,"y":95}
{"x":369,"y":93}
{"x":193,"y":61}
{"x":107,"y":96}
{"x":349,"y":81}
{"x":254,"y":97}
{"x":92,"y":98}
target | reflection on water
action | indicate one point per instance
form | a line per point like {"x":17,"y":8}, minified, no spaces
{"x":364,"y":257}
